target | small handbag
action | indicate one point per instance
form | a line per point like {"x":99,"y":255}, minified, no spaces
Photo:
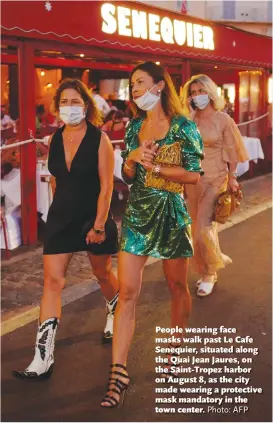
{"x":168,"y":156}
{"x":226,"y":203}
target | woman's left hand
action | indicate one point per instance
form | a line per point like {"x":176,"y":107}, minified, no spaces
{"x":93,"y":238}
{"x":148,"y":165}
{"x":233,"y":184}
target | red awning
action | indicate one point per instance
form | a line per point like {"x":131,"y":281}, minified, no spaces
{"x":81,"y":23}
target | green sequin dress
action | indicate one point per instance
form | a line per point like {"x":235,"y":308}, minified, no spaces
{"x":156,"y":222}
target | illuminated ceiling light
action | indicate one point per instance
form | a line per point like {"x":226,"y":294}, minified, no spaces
{"x":87,"y":70}
{"x":157,"y":63}
{"x":81,"y":55}
{"x":250,"y":72}
{"x":42,"y":73}
{"x":7,"y":82}
{"x":215,"y":67}
{"x":49,"y":85}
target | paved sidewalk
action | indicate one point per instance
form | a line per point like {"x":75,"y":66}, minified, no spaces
{"x":22,"y":276}
{"x":78,"y":383}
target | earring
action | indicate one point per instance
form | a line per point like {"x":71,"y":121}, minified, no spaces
{"x":159,"y":91}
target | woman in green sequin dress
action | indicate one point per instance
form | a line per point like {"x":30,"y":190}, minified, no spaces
{"x":163,"y":151}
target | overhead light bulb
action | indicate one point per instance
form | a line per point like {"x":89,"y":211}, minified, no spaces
{"x":42,"y":73}
{"x":81,"y":55}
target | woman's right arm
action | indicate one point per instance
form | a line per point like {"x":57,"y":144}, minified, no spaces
{"x":52,"y":178}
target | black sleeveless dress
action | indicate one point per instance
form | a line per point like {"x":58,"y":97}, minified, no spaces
{"x":76,"y":197}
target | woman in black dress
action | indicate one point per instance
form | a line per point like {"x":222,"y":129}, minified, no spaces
{"x":81,"y":159}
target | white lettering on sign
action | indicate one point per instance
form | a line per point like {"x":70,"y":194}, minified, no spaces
{"x":139,"y":24}
{"x":109,"y":25}
{"x":179,"y":32}
{"x":198,"y":36}
{"x":154,"y":33}
{"x":189,"y":34}
{"x":140,"y":30}
{"x":167,"y":30}
{"x":124,"y":21}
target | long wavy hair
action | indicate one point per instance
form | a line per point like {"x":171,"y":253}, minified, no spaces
{"x":217,"y":102}
{"x":169,"y":99}
{"x":93,"y":114}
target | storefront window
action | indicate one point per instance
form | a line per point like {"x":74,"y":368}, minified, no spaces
{"x":250,"y":102}
{"x":5,"y":85}
{"x":115,"y":88}
{"x":270,"y":89}
{"x":254,"y":104}
{"x":46,"y":83}
{"x":244,"y":101}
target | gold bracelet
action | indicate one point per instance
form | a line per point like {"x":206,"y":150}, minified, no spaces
{"x":232,"y":174}
{"x":128,"y":167}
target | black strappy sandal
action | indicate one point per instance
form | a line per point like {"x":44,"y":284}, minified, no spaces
{"x":117,"y":386}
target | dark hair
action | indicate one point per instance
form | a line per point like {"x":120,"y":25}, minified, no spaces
{"x":169,"y":99}
{"x":6,"y":168}
{"x":109,"y":116}
{"x":118,"y":114}
{"x":93,"y":114}
{"x":40,"y":108}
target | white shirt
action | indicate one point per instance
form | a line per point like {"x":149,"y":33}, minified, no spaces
{"x":102,"y":104}
{"x":6,"y":122}
{"x":11,"y":189}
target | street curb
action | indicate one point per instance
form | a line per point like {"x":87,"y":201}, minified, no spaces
{"x":246,"y":214}
{"x":82,"y":289}
{"x":69,"y":295}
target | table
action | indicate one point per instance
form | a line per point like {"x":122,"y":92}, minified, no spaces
{"x":11,"y":189}
{"x":255,"y":152}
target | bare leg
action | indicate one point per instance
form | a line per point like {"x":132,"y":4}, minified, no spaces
{"x":102,"y":268}
{"x":55,"y":267}
{"x":130,"y":270}
{"x":176,"y":273}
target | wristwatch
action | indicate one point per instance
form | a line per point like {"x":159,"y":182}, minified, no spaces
{"x":98,"y":231}
{"x":156,"y":170}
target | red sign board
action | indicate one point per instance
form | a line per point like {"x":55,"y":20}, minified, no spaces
{"x":167,"y":33}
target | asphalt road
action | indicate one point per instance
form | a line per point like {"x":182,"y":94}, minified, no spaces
{"x":241,"y":299}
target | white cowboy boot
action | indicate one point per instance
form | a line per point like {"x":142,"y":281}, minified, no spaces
{"x":108,"y":330}
{"x":42,"y":364}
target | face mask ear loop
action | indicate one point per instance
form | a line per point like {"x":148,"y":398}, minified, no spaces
{"x":148,"y":91}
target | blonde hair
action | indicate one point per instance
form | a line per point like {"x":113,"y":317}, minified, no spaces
{"x":169,"y":99}
{"x":217,"y":102}
{"x":93,"y":114}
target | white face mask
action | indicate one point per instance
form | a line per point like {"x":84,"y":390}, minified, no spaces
{"x":201,"y":101}
{"x":72,"y":115}
{"x":147,"y":101}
